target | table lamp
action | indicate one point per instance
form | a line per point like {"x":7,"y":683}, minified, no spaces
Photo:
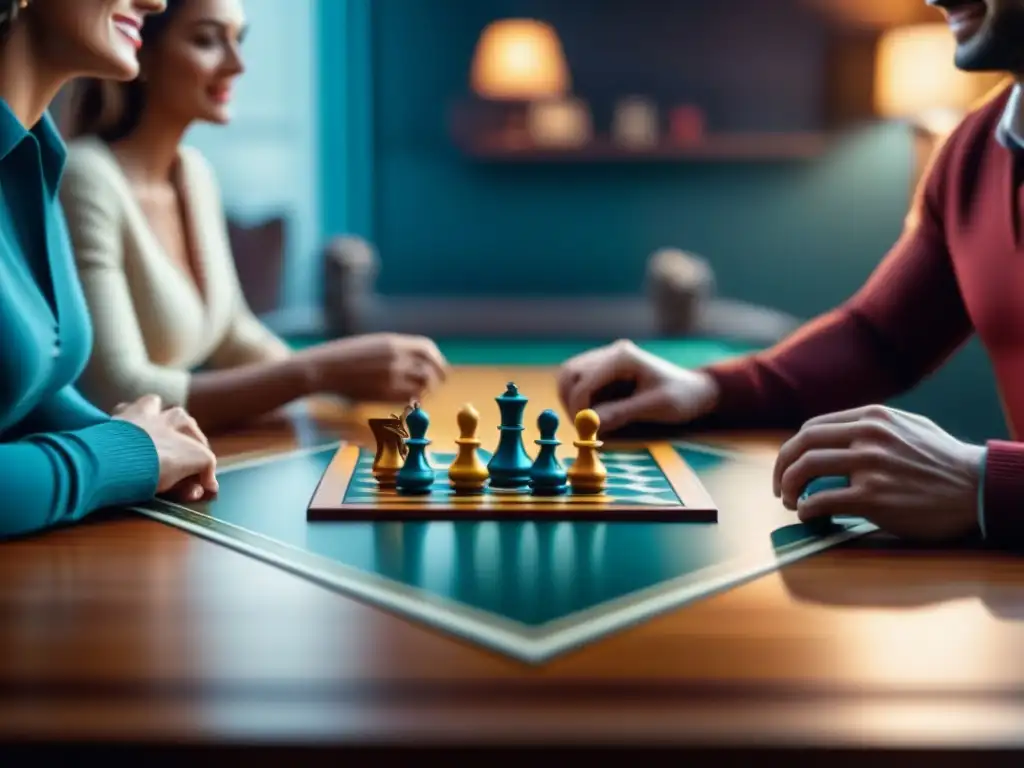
{"x":519,"y":60}
{"x":519,"y":64}
{"x":916,"y":80}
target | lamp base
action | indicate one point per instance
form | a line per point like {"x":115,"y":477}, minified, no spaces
{"x":493,"y":125}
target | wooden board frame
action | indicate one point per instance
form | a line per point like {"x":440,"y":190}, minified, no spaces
{"x":697,"y":505}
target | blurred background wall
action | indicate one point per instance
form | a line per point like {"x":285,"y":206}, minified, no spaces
{"x":780,"y":141}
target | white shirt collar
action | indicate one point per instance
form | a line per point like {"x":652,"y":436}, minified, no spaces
{"x":1010,"y":130}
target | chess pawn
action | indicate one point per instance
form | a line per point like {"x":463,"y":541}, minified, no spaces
{"x":467,"y":472}
{"x":547,"y":475}
{"x":389,"y":458}
{"x":416,"y":475}
{"x":587,"y":475}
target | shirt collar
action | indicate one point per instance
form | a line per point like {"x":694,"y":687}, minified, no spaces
{"x":52,"y":149}
{"x":1010,"y":130}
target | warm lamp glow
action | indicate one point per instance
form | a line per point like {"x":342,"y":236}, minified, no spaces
{"x":521,"y":60}
{"x":917,"y":79}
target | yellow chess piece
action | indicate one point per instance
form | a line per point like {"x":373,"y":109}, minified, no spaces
{"x":391,"y":450}
{"x":587,"y":475}
{"x":467,"y":472}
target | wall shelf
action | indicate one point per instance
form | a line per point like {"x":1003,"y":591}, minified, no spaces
{"x":723,"y":147}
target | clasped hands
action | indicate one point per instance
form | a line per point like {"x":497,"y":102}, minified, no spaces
{"x":188,"y":468}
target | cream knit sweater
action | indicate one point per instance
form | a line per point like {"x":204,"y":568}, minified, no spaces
{"x":152,"y":327}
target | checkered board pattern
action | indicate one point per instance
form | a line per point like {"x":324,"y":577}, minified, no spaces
{"x":644,"y":484}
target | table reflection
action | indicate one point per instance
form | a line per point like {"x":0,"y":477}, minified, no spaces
{"x":528,"y":570}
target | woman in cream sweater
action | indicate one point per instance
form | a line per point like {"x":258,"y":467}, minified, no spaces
{"x":151,"y":246}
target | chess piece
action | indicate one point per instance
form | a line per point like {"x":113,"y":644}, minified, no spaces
{"x":509,"y":467}
{"x":416,"y":475}
{"x":547,"y":475}
{"x":467,"y":472}
{"x":587,"y":475}
{"x":390,"y":435}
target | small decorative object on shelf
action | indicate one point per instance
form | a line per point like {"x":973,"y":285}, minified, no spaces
{"x":635,"y":124}
{"x":561,"y":124}
{"x":686,"y":125}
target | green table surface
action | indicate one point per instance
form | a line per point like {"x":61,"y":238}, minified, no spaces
{"x":529,"y":589}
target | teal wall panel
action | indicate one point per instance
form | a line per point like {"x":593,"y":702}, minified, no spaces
{"x":799,"y":236}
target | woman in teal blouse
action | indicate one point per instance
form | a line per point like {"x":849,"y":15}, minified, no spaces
{"x":60,"y":457}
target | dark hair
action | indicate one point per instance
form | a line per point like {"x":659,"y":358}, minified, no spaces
{"x":111,"y":109}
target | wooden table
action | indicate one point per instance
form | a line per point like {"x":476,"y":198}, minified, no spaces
{"x":124,"y":630}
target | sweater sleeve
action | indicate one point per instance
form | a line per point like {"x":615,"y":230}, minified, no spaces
{"x":58,"y":478}
{"x":899,"y":327}
{"x":119,"y":369}
{"x":65,"y":411}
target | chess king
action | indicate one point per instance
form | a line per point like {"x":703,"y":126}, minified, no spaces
{"x":510,"y":465}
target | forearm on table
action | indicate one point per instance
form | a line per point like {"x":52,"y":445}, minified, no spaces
{"x":906,"y":320}
{"x":839,"y":361}
{"x":225,"y":397}
{"x":54,"y":479}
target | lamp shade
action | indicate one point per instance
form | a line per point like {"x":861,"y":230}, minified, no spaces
{"x":520,"y":60}
{"x":916,"y":77}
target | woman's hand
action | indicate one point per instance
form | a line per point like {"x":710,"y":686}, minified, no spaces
{"x":376,"y":367}
{"x":187,"y":465}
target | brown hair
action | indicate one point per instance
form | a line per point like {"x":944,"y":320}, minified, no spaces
{"x":109,"y":109}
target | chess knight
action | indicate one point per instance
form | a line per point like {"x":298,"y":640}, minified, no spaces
{"x":390,"y":435}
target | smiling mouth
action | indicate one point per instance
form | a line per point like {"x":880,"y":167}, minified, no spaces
{"x":965,"y":17}
{"x":129,"y":28}
{"x":221,"y":95}
{"x":953,"y":5}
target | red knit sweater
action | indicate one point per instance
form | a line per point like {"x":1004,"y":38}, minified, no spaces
{"x":957,"y":269}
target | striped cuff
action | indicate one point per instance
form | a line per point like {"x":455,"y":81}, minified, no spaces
{"x":1004,"y":493}
{"x":981,"y":494}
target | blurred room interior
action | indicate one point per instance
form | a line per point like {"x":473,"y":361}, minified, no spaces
{"x":590,"y":170}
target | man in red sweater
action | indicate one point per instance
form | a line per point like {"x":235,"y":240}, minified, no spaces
{"x":957,"y":269}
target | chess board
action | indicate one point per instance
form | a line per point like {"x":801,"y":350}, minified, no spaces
{"x":646,"y":483}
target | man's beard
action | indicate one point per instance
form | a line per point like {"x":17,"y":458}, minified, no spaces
{"x":997,"y":47}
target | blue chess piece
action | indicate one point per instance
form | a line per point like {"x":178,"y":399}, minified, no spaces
{"x":416,"y":476}
{"x":509,"y":467}
{"x":819,"y":484}
{"x":548,"y":476}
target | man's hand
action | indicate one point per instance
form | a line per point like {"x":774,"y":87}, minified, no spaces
{"x":907,"y":476}
{"x":664,"y":393}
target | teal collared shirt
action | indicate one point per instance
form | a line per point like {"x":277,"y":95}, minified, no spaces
{"x":60,"y":457}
